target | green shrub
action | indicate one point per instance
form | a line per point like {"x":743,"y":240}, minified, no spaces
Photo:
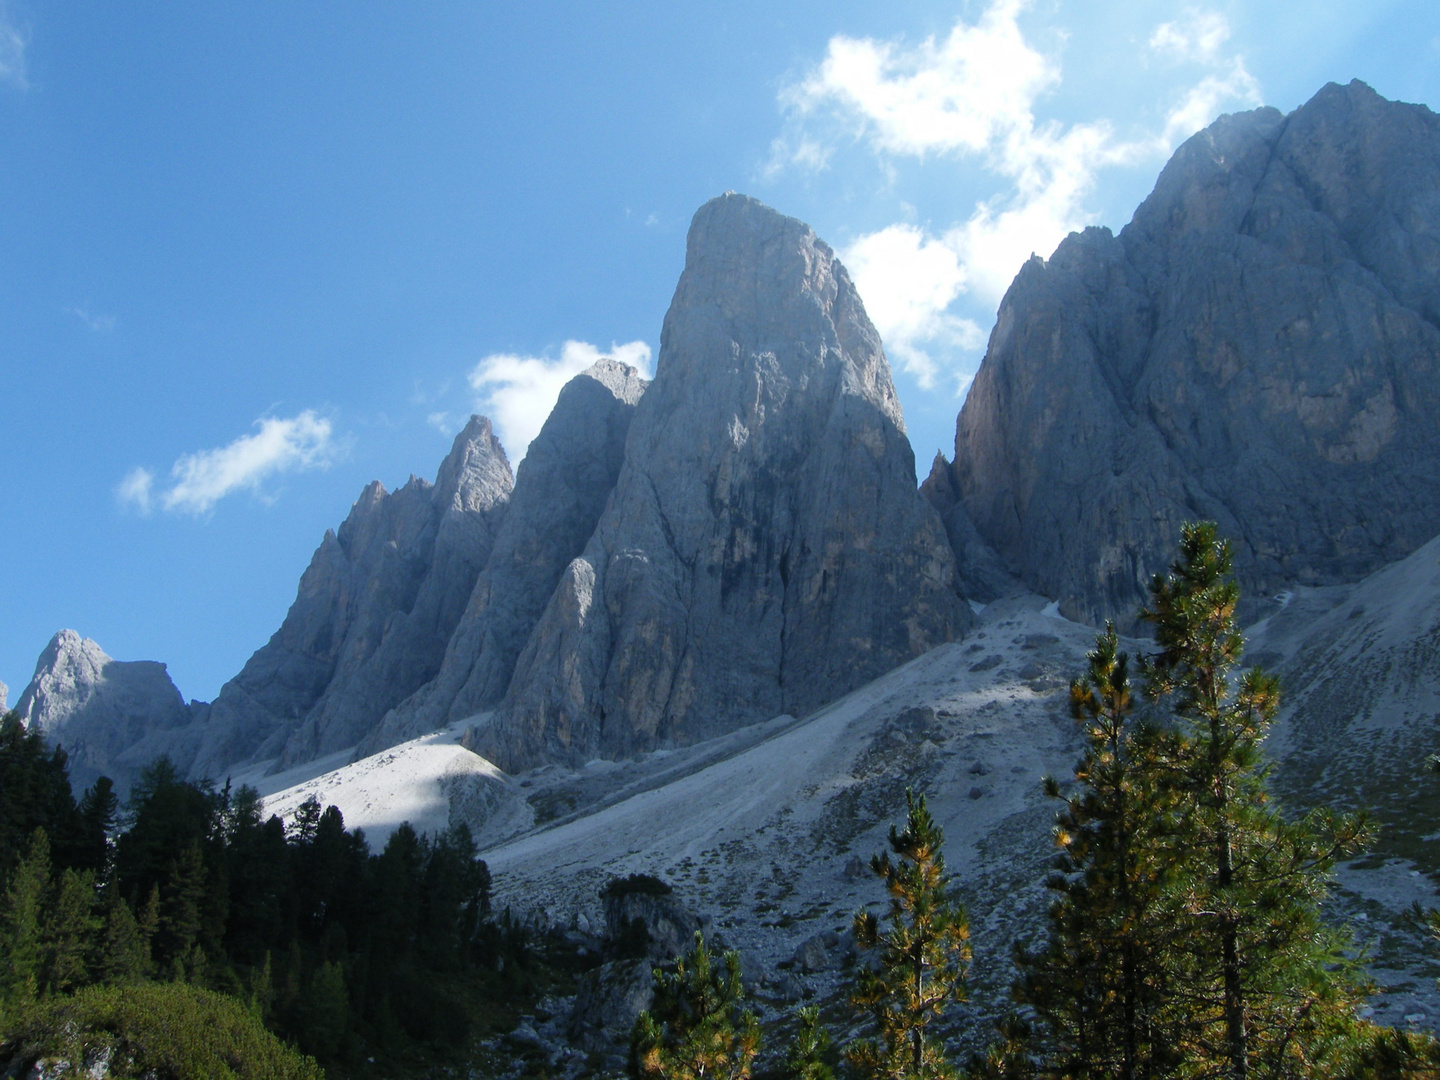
{"x":168,"y":1030}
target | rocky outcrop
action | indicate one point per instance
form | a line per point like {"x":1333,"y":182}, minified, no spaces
{"x":1259,"y":346}
{"x":113,"y":717}
{"x":375,"y":610}
{"x":560,"y":491}
{"x":764,"y":549}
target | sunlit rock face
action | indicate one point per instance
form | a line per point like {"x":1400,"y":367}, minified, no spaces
{"x":113,"y":717}
{"x":561,"y":489}
{"x":1260,"y":346}
{"x":765,"y":549}
{"x":374,"y":612}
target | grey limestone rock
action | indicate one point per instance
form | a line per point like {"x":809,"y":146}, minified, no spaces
{"x":4,"y":698}
{"x":1259,"y":346}
{"x":561,"y":488}
{"x":765,"y":549}
{"x":372,"y":617}
{"x":113,"y":717}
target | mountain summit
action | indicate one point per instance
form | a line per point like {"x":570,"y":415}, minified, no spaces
{"x":765,"y":549}
{"x":1260,"y":346}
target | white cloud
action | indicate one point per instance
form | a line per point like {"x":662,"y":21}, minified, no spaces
{"x":1197,"y":36}
{"x":1202,"y":103}
{"x":134,"y":490}
{"x":973,"y":95}
{"x":12,"y":53}
{"x":968,"y":92}
{"x":101,"y":324}
{"x":198,"y":481}
{"x":203,"y":479}
{"x":518,"y":392}
{"x":907,"y":280}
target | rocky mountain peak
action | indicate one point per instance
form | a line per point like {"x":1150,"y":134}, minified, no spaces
{"x":475,"y":475}
{"x":112,"y":716}
{"x":1260,"y":346}
{"x":764,"y":548}
{"x":560,"y":492}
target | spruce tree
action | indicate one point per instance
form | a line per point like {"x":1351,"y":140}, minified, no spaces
{"x":125,"y":949}
{"x":924,"y":952}
{"x":1098,"y":985}
{"x":696,"y":1028}
{"x":21,"y":943}
{"x":1260,"y":984}
{"x":67,"y":931}
{"x":810,"y":1051}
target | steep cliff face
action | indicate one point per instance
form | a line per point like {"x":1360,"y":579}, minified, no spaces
{"x":372,"y":617}
{"x":560,"y":491}
{"x":1260,"y":346}
{"x":764,"y":549}
{"x":113,"y":717}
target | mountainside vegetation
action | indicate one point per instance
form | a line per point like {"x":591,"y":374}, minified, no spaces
{"x":354,"y":957}
{"x":188,"y":936}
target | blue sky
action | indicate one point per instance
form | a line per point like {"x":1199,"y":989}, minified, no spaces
{"x":252,"y":257}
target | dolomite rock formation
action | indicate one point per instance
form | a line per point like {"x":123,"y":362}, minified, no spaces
{"x":113,"y":717}
{"x":375,"y":610}
{"x":765,"y":549}
{"x":560,"y":491}
{"x":1260,"y":346}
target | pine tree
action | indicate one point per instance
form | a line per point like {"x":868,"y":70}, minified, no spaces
{"x":67,"y":930}
{"x":125,"y":948}
{"x":21,"y":946}
{"x":924,"y":955}
{"x":1261,"y":985}
{"x":696,"y":1029}
{"x":1098,"y":984}
{"x":809,"y":1054}
{"x":181,"y":911}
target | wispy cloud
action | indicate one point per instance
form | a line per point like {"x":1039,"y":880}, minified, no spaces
{"x":100,"y":324}
{"x":1198,"y":35}
{"x":198,"y":481}
{"x":134,"y":490}
{"x":518,"y":392}
{"x":12,"y":52}
{"x":973,"y":95}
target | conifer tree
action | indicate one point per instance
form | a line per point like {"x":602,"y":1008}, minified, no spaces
{"x":696,"y":1029}
{"x":125,"y":948}
{"x":1098,"y":984}
{"x":21,"y":943}
{"x":809,"y":1053}
{"x":924,"y":955}
{"x":67,"y":930}
{"x":1261,"y":987}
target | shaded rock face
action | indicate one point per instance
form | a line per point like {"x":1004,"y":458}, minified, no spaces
{"x":764,"y":549}
{"x":1260,"y":346}
{"x":560,"y":491}
{"x":113,"y":717}
{"x":375,"y":609}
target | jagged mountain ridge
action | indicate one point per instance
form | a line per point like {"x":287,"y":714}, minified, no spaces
{"x":1259,"y":346}
{"x":742,"y":538}
{"x":561,"y":489}
{"x":764,"y":550}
